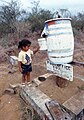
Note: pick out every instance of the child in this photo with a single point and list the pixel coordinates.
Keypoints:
(25, 59)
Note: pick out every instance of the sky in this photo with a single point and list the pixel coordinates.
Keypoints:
(74, 6)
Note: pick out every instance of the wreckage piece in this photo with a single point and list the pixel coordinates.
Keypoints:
(57, 111)
(10, 91)
(13, 60)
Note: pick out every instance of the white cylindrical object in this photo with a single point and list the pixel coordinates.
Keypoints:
(60, 40)
(42, 43)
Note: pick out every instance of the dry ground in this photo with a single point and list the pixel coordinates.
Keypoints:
(11, 105)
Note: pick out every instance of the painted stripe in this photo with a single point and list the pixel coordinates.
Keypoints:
(58, 22)
(60, 56)
(57, 19)
(59, 28)
(62, 21)
(51, 23)
(60, 33)
(46, 26)
(61, 51)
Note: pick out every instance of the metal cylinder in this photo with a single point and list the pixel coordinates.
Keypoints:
(60, 40)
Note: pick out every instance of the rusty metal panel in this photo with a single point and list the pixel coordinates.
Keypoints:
(57, 111)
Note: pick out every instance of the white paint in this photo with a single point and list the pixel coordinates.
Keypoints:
(42, 43)
(13, 60)
(61, 70)
(37, 82)
(60, 40)
(37, 99)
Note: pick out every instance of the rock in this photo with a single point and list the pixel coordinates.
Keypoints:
(10, 91)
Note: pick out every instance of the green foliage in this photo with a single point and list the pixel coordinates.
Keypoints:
(4, 41)
(36, 117)
(8, 17)
(78, 22)
(38, 16)
(13, 20)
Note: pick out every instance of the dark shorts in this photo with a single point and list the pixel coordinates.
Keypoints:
(26, 68)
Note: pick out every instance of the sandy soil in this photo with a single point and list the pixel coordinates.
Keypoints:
(11, 104)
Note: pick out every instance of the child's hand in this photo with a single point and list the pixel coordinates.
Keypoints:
(38, 48)
(35, 51)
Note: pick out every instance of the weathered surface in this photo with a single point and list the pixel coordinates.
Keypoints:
(13, 60)
(75, 103)
(57, 111)
(80, 77)
(37, 99)
(62, 70)
(37, 82)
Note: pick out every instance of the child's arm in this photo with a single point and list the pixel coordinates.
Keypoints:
(35, 51)
(19, 66)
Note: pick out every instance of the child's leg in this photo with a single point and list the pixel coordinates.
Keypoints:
(28, 76)
(23, 78)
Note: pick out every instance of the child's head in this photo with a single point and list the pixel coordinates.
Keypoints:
(24, 44)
